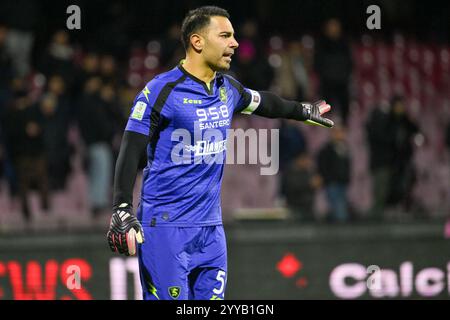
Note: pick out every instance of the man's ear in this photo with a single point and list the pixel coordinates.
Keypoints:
(197, 42)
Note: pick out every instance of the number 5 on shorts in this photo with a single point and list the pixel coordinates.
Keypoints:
(221, 278)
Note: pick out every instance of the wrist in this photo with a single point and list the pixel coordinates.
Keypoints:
(122, 206)
(301, 112)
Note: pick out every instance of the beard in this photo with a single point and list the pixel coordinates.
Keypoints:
(220, 65)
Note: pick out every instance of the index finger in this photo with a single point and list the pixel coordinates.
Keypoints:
(324, 108)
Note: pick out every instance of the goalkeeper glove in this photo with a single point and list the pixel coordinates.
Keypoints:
(313, 113)
(124, 231)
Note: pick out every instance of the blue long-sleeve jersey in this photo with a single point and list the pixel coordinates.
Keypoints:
(186, 122)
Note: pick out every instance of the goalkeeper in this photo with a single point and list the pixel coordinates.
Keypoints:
(178, 225)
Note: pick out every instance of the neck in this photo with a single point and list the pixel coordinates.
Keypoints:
(199, 69)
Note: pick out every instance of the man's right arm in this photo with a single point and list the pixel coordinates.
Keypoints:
(131, 148)
(124, 228)
(136, 136)
(145, 117)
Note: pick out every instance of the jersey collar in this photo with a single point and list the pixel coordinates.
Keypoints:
(209, 90)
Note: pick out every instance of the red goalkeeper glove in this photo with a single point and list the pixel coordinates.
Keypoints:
(313, 113)
(124, 231)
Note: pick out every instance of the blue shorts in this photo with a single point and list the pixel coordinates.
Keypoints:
(183, 263)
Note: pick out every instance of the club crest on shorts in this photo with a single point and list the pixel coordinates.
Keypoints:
(174, 292)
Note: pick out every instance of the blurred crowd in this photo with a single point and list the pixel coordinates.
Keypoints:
(71, 88)
(39, 104)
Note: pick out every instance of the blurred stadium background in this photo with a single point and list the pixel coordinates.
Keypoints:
(375, 191)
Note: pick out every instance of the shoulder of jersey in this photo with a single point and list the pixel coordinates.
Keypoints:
(231, 80)
(155, 85)
(168, 76)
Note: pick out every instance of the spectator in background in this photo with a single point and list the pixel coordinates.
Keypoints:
(300, 184)
(22, 17)
(447, 139)
(292, 143)
(16, 89)
(117, 119)
(6, 164)
(6, 69)
(6, 76)
(403, 132)
(381, 157)
(334, 167)
(250, 34)
(333, 63)
(447, 224)
(58, 58)
(55, 109)
(292, 76)
(90, 67)
(252, 67)
(171, 48)
(2, 158)
(109, 99)
(94, 120)
(25, 135)
(108, 69)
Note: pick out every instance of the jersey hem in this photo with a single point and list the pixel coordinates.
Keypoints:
(181, 224)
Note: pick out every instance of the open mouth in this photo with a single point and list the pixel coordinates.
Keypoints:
(228, 56)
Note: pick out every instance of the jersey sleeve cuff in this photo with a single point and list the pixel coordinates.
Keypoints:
(137, 126)
(254, 102)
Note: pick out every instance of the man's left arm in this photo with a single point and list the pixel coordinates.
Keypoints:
(272, 106)
(269, 105)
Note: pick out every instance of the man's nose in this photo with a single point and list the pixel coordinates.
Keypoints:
(234, 44)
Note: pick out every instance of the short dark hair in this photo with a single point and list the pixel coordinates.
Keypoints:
(197, 19)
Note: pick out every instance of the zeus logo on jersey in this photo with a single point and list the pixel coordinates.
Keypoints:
(191, 101)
